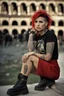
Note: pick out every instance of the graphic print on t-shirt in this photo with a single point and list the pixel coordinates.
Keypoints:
(40, 46)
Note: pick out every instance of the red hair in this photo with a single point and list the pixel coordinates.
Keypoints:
(44, 14)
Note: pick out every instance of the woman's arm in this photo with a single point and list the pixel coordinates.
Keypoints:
(30, 43)
(49, 52)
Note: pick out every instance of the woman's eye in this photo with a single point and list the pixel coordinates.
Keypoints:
(42, 21)
(35, 21)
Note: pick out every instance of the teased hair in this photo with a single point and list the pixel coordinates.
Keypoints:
(44, 14)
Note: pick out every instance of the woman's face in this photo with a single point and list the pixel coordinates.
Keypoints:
(40, 24)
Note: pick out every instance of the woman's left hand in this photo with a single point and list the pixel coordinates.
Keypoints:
(26, 56)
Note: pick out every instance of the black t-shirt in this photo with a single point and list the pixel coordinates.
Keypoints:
(41, 41)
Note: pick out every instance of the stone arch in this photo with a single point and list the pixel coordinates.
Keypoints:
(23, 23)
(5, 22)
(4, 8)
(23, 8)
(60, 8)
(32, 7)
(14, 22)
(42, 6)
(14, 9)
(60, 33)
(60, 23)
(14, 31)
(22, 31)
(51, 8)
(30, 23)
(53, 23)
(5, 31)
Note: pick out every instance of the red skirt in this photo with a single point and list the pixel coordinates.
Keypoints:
(49, 69)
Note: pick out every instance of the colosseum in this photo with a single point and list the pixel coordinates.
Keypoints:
(15, 15)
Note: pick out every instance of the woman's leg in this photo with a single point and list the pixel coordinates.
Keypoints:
(28, 66)
(20, 87)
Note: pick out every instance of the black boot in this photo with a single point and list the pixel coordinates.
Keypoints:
(44, 82)
(20, 86)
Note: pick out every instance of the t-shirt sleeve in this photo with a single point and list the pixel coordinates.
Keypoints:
(50, 37)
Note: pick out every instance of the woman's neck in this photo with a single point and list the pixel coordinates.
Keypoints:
(42, 32)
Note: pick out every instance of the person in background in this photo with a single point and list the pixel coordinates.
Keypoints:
(42, 57)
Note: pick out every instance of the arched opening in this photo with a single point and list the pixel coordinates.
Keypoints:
(32, 8)
(53, 23)
(42, 6)
(4, 8)
(14, 32)
(22, 31)
(60, 37)
(23, 9)
(30, 23)
(14, 23)
(5, 23)
(60, 23)
(51, 8)
(60, 9)
(5, 31)
(23, 23)
(60, 33)
(14, 9)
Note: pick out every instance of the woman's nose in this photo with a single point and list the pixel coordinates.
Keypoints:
(38, 24)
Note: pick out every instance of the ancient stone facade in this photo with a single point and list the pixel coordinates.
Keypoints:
(15, 15)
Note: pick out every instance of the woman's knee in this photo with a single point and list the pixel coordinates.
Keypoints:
(33, 58)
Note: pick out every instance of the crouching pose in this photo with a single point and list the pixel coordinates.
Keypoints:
(42, 56)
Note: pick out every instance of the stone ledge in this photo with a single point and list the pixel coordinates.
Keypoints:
(57, 90)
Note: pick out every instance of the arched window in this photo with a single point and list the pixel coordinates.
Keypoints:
(23, 8)
(23, 23)
(42, 6)
(14, 32)
(32, 8)
(5, 23)
(5, 31)
(22, 31)
(4, 8)
(31, 23)
(14, 9)
(60, 8)
(14, 23)
(53, 23)
(51, 8)
(60, 33)
(60, 23)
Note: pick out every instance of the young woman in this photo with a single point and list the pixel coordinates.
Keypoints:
(41, 58)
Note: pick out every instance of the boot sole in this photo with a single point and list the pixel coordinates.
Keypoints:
(22, 92)
(43, 88)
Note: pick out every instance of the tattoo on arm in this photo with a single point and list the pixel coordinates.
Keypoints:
(50, 47)
(25, 69)
(30, 42)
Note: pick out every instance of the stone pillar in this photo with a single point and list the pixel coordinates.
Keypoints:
(47, 7)
(28, 10)
(37, 7)
(19, 11)
(56, 9)
(0, 8)
(9, 9)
